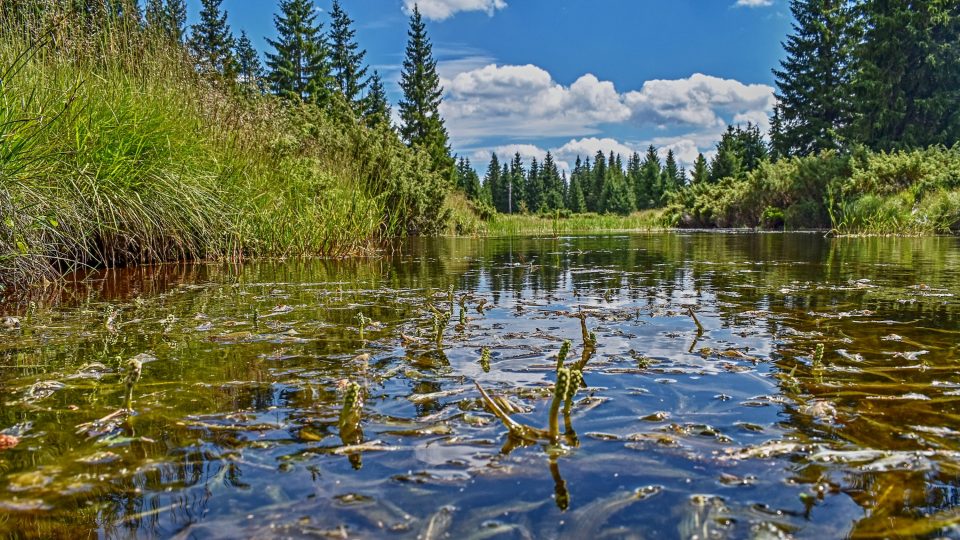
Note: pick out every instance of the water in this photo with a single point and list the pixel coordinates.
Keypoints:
(735, 432)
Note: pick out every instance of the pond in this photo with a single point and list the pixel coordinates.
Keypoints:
(734, 386)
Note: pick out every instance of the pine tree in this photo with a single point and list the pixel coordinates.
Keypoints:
(211, 41)
(908, 74)
(249, 69)
(300, 65)
(347, 58)
(701, 171)
(376, 109)
(420, 122)
(814, 106)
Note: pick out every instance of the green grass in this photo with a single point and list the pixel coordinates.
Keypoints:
(530, 225)
(114, 151)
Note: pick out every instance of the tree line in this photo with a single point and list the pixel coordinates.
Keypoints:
(607, 183)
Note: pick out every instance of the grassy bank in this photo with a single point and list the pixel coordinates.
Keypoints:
(913, 192)
(115, 151)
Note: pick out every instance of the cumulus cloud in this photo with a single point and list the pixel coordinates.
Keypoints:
(525, 101)
(439, 10)
(753, 3)
(699, 100)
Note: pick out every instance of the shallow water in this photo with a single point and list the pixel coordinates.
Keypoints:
(732, 432)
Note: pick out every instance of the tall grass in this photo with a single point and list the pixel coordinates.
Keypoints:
(113, 150)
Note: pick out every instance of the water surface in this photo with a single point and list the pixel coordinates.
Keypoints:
(733, 432)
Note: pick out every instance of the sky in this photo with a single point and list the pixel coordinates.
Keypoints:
(574, 76)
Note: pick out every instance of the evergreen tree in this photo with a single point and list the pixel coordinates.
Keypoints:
(814, 106)
(599, 177)
(211, 41)
(518, 182)
(347, 58)
(617, 198)
(494, 184)
(701, 171)
(176, 19)
(908, 74)
(300, 65)
(155, 15)
(649, 190)
(468, 180)
(576, 202)
(553, 187)
(670, 178)
(728, 161)
(420, 122)
(376, 108)
(534, 191)
(249, 69)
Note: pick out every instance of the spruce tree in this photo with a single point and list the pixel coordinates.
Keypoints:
(249, 68)
(599, 178)
(814, 106)
(494, 184)
(534, 191)
(468, 181)
(701, 171)
(518, 182)
(211, 41)
(155, 15)
(649, 189)
(176, 19)
(376, 109)
(552, 184)
(300, 65)
(728, 161)
(349, 73)
(670, 178)
(420, 122)
(908, 74)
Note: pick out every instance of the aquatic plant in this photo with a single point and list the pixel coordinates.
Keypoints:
(696, 321)
(562, 355)
(440, 321)
(362, 322)
(134, 369)
(560, 391)
(485, 359)
(818, 355)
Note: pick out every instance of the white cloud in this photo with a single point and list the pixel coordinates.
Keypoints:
(439, 10)
(753, 3)
(699, 100)
(525, 101)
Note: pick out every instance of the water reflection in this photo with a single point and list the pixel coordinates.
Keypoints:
(245, 424)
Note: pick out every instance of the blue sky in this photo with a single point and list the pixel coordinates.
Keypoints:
(575, 76)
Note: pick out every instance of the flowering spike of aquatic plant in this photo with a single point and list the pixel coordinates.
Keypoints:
(134, 370)
(361, 324)
(463, 316)
(818, 355)
(576, 381)
(352, 406)
(562, 355)
(450, 296)
(560, 391)
(485, 359)
(440, 321)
